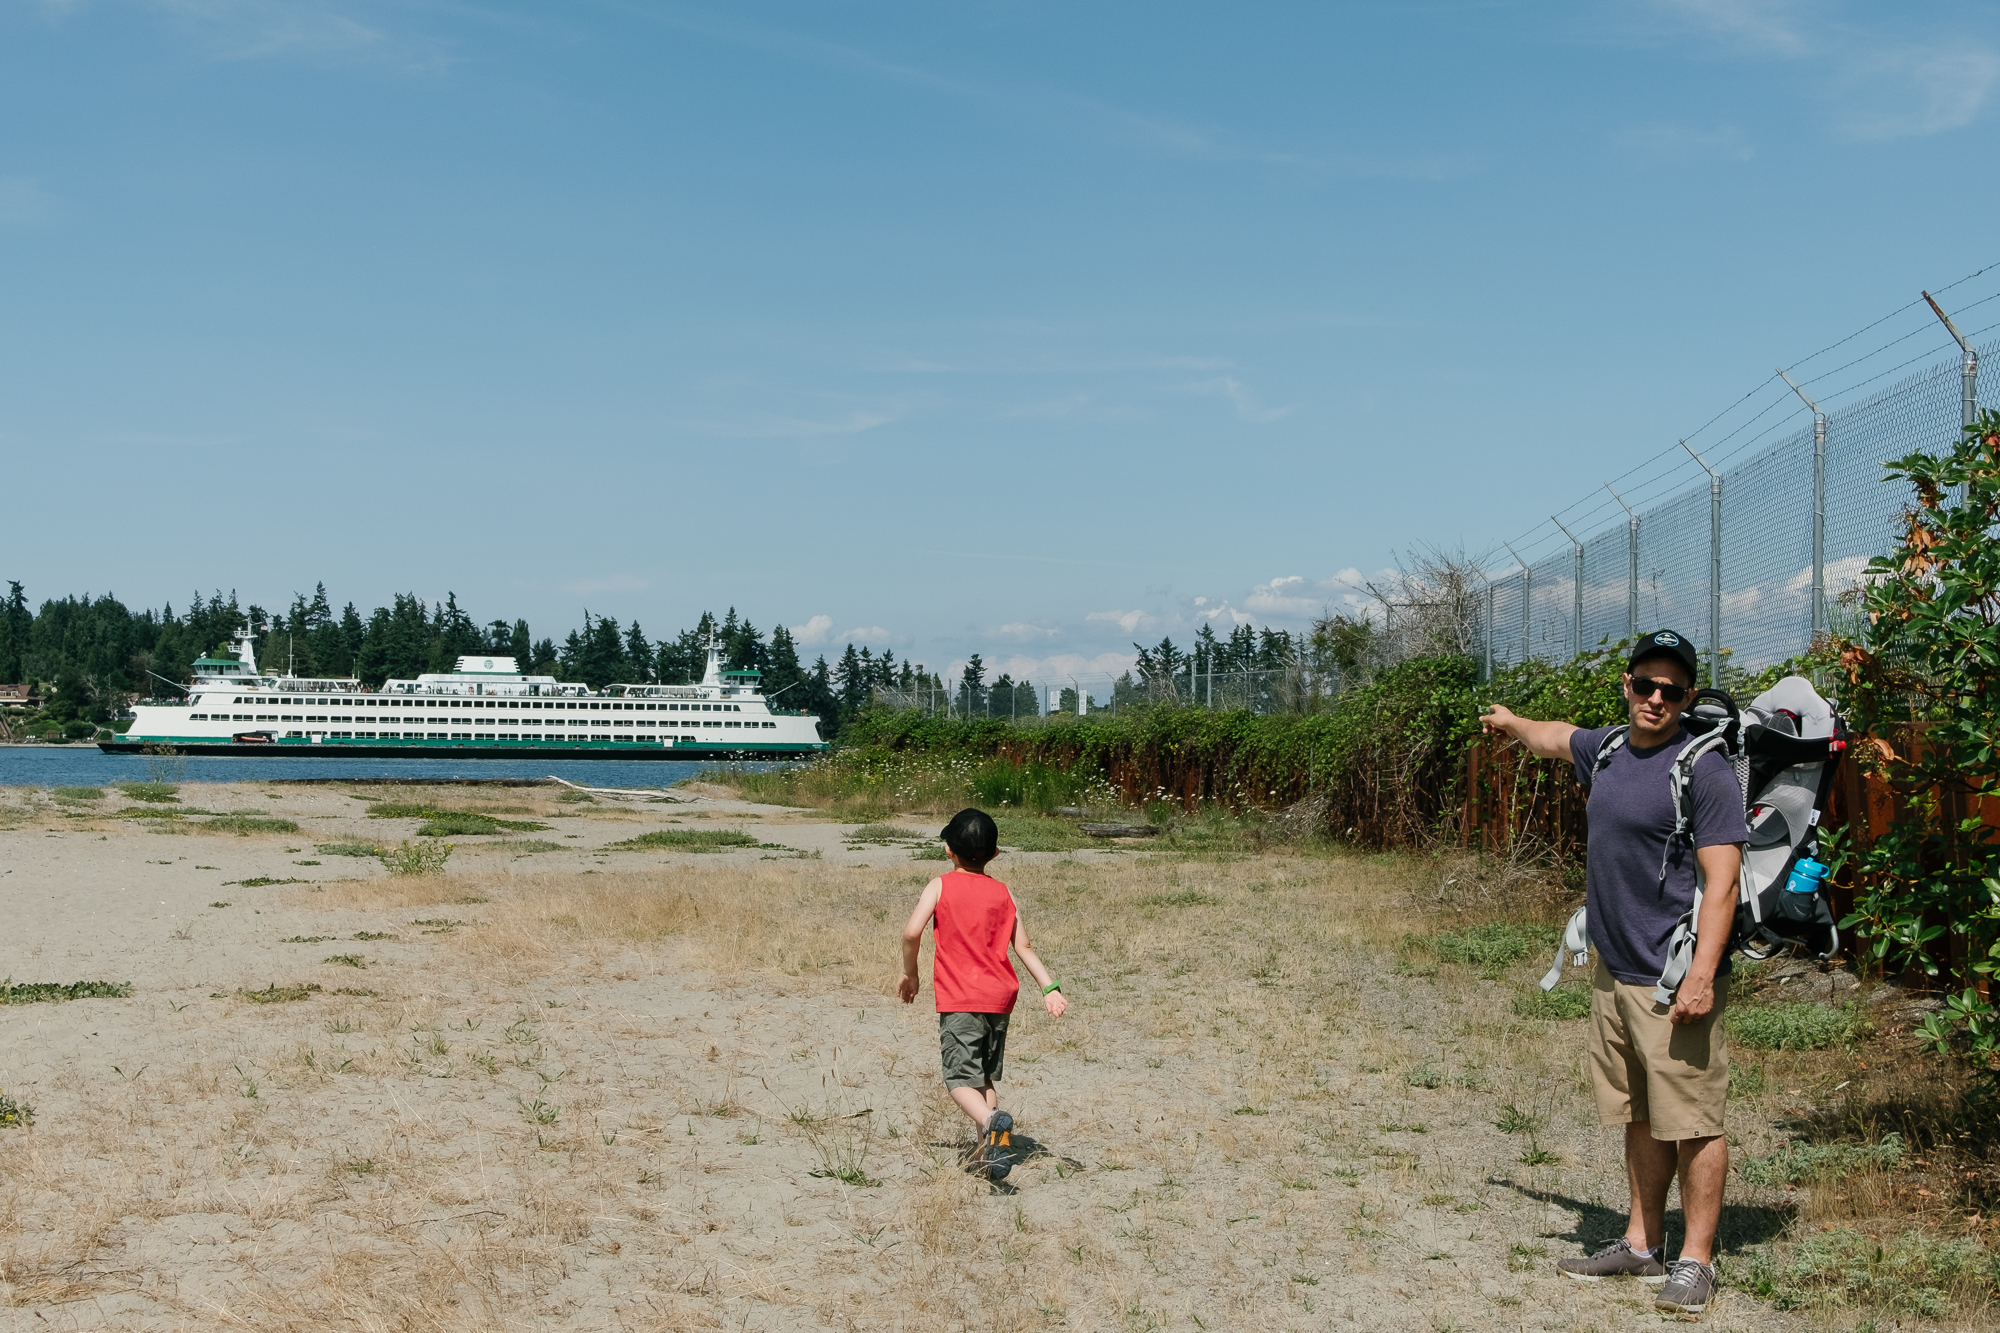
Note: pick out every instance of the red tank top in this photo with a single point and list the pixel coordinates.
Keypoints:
(973, 925)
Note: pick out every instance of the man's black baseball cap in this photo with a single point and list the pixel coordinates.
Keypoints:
(1666, 643)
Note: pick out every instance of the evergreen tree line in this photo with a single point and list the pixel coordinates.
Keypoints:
(98, 654)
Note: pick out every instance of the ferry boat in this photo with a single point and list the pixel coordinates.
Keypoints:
(484, 708)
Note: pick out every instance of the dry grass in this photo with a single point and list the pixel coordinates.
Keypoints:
(680, 1095)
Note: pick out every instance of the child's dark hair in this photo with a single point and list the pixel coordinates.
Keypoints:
(974, 836)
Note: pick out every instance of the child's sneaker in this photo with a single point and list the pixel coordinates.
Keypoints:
(999, 1145)
(1618, 1259)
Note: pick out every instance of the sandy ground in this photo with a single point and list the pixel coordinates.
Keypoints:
(590, 1088)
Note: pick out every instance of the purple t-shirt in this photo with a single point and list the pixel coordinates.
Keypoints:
(1632, 912)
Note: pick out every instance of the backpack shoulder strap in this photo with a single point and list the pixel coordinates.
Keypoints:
(1612, 742)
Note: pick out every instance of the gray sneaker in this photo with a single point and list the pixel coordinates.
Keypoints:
(1618, 1259)
(1690, 1287)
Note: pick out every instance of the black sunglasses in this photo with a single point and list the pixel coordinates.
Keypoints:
(1643, 687)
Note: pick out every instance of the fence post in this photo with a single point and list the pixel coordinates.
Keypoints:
(1714, 568)
(1631, 564)
(1527, 601)
(1968, 379)
(1819, 509)
(1576, 647)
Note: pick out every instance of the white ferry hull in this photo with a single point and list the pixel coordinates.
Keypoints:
(484, 709)
(511, 748)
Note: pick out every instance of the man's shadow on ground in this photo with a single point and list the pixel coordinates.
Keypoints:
(1597, 1226)
(1025, 1149)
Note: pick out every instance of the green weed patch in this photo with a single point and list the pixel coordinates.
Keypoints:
(78, 793)
(415, 858)
(14, 1114)
(1796, 1163)
(49, 992)
(691, 840)
(530, 846)
(346, 960)
(346, 848)
(442, 823)
(1792, 1027)
(1561, 1004)
(1909, 1274)
(261, 882)
(248, 824)
(1491, 948)
(160, 793)
(276, 994)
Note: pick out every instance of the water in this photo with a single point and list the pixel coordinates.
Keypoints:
(66, 766)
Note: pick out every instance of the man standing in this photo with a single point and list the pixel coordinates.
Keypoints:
(1661, 1071)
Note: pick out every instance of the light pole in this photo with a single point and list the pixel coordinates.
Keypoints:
(1714, 568)
(1631, 563)
(1576, 649)
(1527, 598)
(1819, 509)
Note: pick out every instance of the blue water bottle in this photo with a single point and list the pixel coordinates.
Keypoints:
(1801, 890)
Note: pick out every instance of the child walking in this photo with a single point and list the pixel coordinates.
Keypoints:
(976, 921)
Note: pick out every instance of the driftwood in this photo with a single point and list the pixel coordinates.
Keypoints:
(1119, 830)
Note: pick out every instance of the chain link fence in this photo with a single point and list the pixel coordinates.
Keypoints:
(1764, 592)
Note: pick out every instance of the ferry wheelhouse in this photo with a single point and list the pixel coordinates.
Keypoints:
(485, 707)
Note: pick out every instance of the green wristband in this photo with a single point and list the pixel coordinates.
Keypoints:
(1053, 985)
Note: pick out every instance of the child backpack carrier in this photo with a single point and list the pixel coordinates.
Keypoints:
(1784, 748)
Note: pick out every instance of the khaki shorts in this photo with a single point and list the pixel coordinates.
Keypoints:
(1644, 1067)
(974, 1048)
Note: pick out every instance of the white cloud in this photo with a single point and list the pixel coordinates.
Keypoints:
(24, 203)
(767, 426)
(1841, 575)
(815, 630)
(1294, 597)
(1129, 621)
(1245, 400)
(1883, 85)
(1917, 91)
(1023, 632)
(819, 631)
(1089, 670)
(1765, 26)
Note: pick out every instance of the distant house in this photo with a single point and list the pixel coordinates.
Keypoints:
(19, 696)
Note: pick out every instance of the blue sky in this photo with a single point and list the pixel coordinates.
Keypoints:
(1027, 329)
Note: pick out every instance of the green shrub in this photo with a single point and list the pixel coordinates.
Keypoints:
(1562, 1003)
(1791, 1027)
(415, 858)
(690, 840)
(79, 730)
(48, 992)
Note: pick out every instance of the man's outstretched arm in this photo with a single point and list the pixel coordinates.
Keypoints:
(1548, 740)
